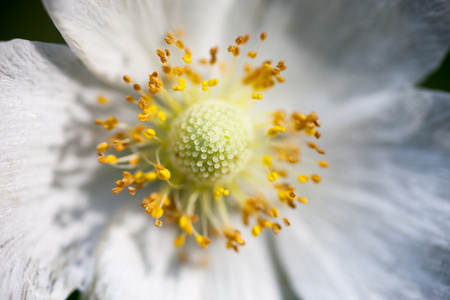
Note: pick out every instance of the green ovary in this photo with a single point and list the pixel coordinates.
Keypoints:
(210, 142)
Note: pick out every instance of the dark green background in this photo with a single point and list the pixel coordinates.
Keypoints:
(26, 19)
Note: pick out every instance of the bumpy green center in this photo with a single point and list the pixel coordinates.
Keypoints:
(210, 142)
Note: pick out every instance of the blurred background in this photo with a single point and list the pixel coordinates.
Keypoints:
(27, 19)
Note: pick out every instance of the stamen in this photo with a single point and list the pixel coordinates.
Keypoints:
(102, 100)
(263, 36)
(207, 155)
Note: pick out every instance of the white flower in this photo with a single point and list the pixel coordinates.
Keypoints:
(376, 229)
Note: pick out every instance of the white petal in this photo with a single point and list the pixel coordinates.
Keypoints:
(336, 50)
(114, 38)
(136, 260)
(377, 227)
(50, 211)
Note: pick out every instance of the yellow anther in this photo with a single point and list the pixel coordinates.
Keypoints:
(150, 133)
(143, 117)
(204, 85)
(135, 161)
(166, 69)
(187, 59)
(256, 230)
(267, 160)
(203, 241)
(238, 239)
(263, 36)
(286, 222)
(111, 159)
(251, 54)
(160, 53)
(310, 131)
(132, 190)
(158, 223)
(302, 200)
(302, 178)
(127, 79)
(150, 176)
(276, 228)
(266, 223)
(117, 190)
(274, 212)
(101, 158)
(279, 128)
(168, 41)
(281, 65)
(143, 104)
(181, 85)
(272, 132)
(110, 123)
(102, 100)
(280, 79)
(163, 174)
(219, 192)
(177, 71)
(137, 138)
(185, 225)
(179, 241)
(161, 116)
(323, 163)
(316, 178)
(213, 82)
(136, 87)
(151, 109)
(102, 147)
(273, 176)
(171, 35)
(118, 145)
(129, 99)
(286, 196)
(180, 44)
(157, 212)
(257, 96)
(139, 177)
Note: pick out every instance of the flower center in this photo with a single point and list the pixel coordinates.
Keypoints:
(210, 142)
(196, 137)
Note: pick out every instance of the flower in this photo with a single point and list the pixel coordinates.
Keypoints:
(377, 229)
